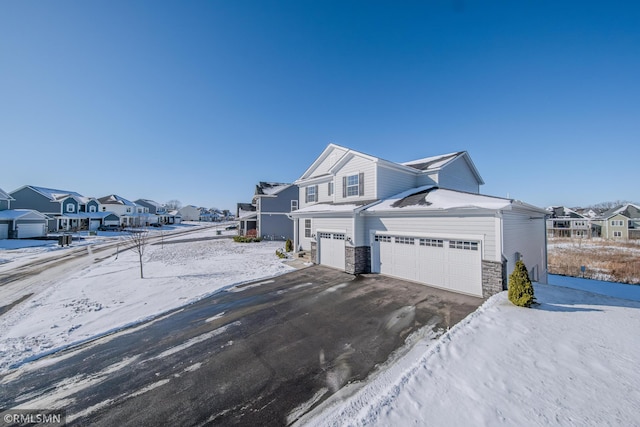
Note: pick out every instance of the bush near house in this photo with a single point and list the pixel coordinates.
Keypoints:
(288, 245)
(250, 237)
(520, 287)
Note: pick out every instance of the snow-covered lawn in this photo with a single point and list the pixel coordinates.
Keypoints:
(110, 295)
(571, 360)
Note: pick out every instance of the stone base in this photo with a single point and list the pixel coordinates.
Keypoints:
(358, 259)
(494, 278)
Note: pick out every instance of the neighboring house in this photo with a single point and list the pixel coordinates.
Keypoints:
(273, 202)
(20, 223)
(157, 209)
(620, 223)
(174, 217)
(130, 214)
(423, 221)
(247, 218)
(565, 222)
(189, 213)
(62, 207)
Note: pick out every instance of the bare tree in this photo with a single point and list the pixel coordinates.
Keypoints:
(173, 205)
(138, 240)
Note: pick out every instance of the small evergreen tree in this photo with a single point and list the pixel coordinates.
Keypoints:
(288, 245)
(520, 287)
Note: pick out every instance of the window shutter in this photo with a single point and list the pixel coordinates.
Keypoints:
(344, 186)
(315, 197)
(361, 183)
(306, 194)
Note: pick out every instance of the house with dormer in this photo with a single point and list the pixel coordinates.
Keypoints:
(423, 220)
(566, 222)
(620, 223)
(20, 223)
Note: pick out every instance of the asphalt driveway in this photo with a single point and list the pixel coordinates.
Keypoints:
(249, 355)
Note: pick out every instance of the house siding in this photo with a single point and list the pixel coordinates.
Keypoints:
(324, 166)
(483, 225)
(457, 176)
(607, 228)
(26, 198)
(4, 205)
(391, 182)
(275, 226)
(528, 238)
(69, 202)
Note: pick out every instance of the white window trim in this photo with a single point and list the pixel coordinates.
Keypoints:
(350, 187)
(294, 205)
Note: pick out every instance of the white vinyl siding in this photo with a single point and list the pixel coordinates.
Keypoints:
(391, 182)
(526, 237)
(324, 166)
(457, 176)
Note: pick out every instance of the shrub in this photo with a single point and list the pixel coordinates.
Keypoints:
(520, 287)
(252, 233)
(288, 245)
(281, 253)
(246, 239)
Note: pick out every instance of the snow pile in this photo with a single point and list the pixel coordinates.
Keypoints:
(569, 361)
(110, 295)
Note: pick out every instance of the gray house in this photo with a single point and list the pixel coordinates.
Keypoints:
(61, 206)
(20, 223)
(247, 217)
(273, 202)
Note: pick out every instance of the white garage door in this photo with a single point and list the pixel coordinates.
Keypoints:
(26, 231)
(94, 224)
(445, 263)
(4, 231)
(332, 249)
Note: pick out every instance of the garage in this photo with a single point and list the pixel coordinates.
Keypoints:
(454, 264)
(29, 230)
(4, 231)
(332, 249)
(94, 224)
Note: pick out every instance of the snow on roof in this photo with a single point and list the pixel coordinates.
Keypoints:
(54, 194)
(114, 199)
(629, 210)
(333, 207)
(151, 202)
(434, 162)
(270, 188)
(14, 214)
(435, 198)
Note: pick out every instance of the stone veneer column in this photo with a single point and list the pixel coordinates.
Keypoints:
(494, 278)
(314, 251)
(358, 259)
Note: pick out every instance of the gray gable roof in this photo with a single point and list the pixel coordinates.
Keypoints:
(4, 195)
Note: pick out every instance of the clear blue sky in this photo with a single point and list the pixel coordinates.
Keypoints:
(200, 100)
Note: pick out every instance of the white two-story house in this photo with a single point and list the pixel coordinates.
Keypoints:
(423, 220)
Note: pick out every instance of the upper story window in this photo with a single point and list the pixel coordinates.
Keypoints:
(353, 185)
(311, 193)
(128, 209)
(92, 208)
(294, 205)
(617, 223)
(71, 207)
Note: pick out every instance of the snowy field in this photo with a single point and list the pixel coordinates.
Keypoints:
(570, 360)
(110, 295)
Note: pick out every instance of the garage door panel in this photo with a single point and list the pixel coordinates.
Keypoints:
(26, 231)
(332, 249)
(445, 263)
(4, 231)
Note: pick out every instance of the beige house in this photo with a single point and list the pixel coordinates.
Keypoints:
(620, 223)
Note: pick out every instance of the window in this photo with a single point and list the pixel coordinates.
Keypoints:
(383, 239)
(405, 240)
(353, 186)
(311, 193)
(617, 223)
(436, 243)
(92, 208)
(330, 188)
(294, 205)
(339, 236)
(307, 228)
(324, 235)
(617, 234)
(128, 209)
(70, 207)
(467, 246)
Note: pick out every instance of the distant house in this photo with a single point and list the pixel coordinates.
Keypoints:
(620, 223)
(20, 223)
(422, 220)
(190, 213)
(130, 214)
(565, 222)
(273, 202)
(247, 217)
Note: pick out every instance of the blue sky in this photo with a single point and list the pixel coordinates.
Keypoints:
(200, 100)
